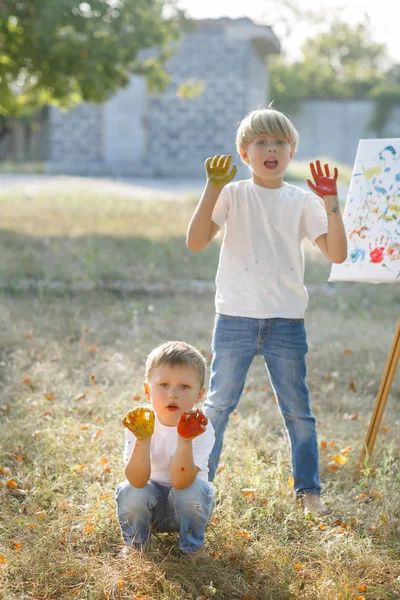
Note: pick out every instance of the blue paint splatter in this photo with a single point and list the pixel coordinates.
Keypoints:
(357, 254)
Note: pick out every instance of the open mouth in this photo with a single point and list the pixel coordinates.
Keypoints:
(172, 407)
(271, 163)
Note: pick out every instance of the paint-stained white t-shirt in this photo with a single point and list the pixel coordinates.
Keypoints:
(261, 265)
(162, 448)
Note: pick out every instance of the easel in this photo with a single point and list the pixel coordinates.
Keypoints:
(380, 403)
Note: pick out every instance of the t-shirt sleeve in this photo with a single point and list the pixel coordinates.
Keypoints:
(202, 447)
(129, 444)
(314, 219)
(221, 208)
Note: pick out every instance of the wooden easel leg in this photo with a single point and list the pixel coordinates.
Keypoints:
(383, 393)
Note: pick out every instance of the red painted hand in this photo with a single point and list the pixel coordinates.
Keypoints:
(325, 185)
(191, 424)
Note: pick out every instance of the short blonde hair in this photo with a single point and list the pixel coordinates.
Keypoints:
(175, 354)
(266, 121)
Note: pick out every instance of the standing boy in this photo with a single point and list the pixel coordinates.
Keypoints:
(260, 296)
(166, 455)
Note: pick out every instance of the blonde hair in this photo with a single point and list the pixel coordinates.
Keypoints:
(266, 121)
(174, 354)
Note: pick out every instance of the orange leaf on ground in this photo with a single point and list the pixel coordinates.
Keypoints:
(323, 445)
(11, 483)
(92, 349)
(249, 491)
(347, 351)
(26, 381)
(3, 561)
(298, 567)
(137, 397)
(78, 468)
(82, 427)
(97, 435)
(332, 467)
(332, 443)
(49, 396)
(352, 386)
(346, 450)
(17, 546)
(291, 482)
(385, 429)
(340, 460)
(362, 588)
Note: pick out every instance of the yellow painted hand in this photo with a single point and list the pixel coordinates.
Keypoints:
(140, 421)
(219, 171)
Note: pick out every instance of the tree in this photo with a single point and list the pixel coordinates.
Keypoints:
(63, 52)
(343, 62)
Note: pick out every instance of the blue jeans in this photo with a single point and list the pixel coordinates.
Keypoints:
(282, 343)
(164, 509)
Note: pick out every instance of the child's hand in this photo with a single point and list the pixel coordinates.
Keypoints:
(192, 424)
(217, 169)
(325, 185)
(140, 421)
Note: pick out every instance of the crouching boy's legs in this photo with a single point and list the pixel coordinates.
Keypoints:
(138, 509)
(192, 507)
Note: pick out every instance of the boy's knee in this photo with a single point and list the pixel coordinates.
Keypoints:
(194, 497)
(127, 496)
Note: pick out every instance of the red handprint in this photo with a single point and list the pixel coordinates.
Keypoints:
(192, 423)
(325, 185)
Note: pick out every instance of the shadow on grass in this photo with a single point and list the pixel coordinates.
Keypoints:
(102, 258)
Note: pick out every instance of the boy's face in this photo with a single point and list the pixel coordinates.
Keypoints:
(268, 158)
(173, 391)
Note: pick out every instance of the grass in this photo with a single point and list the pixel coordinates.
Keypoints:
(71, 365)
(27, 167)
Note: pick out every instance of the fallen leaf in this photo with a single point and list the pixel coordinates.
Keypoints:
(92, 349)
(97, 435)
(352, 386)
(78, 468)
(298, 567)
(340, 459)
(347, 351)
(385, 429)
(332, 467)
(291, 482)
(49, 396)
(11, 483)
(249, 491)
(3, 561)
(362, 588)
(17, 546)
(323, 445)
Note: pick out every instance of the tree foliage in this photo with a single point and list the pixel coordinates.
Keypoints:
(343, 62)
(63, 52)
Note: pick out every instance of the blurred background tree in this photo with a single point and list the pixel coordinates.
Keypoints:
(342, 62)
(63, 52)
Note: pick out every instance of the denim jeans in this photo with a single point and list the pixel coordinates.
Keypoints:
(282, 343)
(154, 506)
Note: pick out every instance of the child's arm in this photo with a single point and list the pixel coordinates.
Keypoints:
(333, 243)
(140, 422)
(202, 229)
(183, 471)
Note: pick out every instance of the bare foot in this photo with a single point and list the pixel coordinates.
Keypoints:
(127, 551)
(196, 555)
(313, 505)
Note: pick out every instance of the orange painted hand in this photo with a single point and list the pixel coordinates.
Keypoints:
(219, 171)
(325, 185)
(140, 421)
(192, 424)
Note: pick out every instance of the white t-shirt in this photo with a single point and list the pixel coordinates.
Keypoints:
(261, 265)
(162, 448)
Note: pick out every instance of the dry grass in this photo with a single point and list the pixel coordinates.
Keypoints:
(70, 367)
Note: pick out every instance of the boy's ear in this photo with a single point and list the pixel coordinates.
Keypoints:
(201, 394)
(243, 155)
(146, 390)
